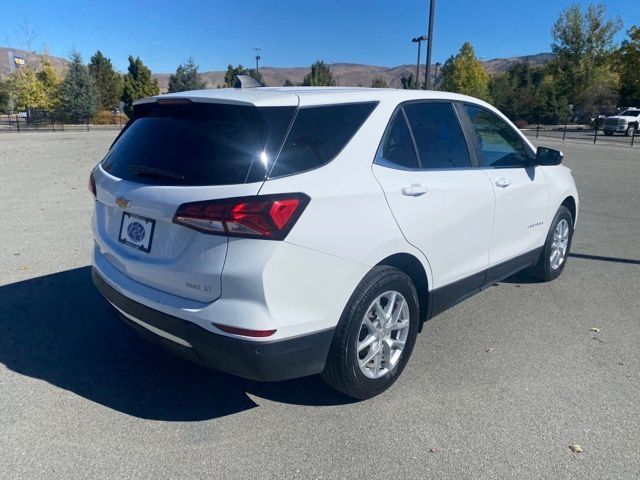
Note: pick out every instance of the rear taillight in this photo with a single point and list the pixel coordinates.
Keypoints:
(92, 184)
(263, 216)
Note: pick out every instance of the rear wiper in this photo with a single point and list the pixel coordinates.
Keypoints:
(146, 171)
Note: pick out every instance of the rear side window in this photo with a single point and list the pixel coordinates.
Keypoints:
(397, 148)
(199, 144)
(438, 135)
(318, 134)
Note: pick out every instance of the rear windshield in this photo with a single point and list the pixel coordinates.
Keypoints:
(216, 144)
(199, 144)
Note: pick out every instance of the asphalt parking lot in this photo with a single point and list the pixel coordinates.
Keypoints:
(498, 387)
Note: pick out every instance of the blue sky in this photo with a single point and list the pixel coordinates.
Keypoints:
(217, 33)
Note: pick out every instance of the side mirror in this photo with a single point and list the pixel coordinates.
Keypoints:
(548, 156)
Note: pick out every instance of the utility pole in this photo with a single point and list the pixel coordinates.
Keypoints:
(435, 76)
(432, 12)
(258, 57)
(419, 41)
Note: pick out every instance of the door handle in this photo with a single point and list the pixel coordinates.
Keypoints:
(503, 182)
(414, 190)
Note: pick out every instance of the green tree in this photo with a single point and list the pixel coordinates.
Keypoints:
(583, 44)
(108, 81)
(408, 83)
(50, 83)
(137, 84)
(320, 76)
(528, 93)
(232, 73)
(27, 89)
(465, 74)
(186, 78)
(6, 97)
(379, 82)
(628, 62)
(288, 83)
(79, 98)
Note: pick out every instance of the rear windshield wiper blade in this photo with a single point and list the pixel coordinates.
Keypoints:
(146, 171)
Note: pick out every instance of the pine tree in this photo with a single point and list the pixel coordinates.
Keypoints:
(186, 78)
(628, 61)
(6, 97)
(288, 83)
(320, 76)
(379, 82)
(137, 84)
(232, 73)
(465, 74)
(108, 81)
(408, 83)
(79, 99)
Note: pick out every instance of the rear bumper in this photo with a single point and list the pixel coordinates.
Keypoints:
(264, 360)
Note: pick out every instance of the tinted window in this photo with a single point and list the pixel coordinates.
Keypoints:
(500, 144)
(397, 148)
(318, 134)
(199, 144)
(438, 135)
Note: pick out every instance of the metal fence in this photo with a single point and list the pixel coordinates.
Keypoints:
(586, 133)
(16, 123)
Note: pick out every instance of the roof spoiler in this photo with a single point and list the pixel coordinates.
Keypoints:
(247, 81)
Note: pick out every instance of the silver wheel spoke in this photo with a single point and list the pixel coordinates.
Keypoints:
(369, 356)
(384, 331)
(366, 342)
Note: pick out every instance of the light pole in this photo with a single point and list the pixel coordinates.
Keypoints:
(432, 12)
(419, 41)
(258, 57)
(435, 76)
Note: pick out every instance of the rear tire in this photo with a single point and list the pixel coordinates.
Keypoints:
(556, 248)
(368, 354)
(631, 130)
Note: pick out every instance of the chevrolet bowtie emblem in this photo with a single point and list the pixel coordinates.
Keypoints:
(122, 202)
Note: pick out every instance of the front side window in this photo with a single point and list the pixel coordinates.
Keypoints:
(438, 135)
(397, 148)
(317, 136)
(501, 146)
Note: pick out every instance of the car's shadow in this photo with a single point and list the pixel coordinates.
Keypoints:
(59, 329)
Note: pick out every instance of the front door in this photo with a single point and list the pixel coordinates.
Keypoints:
(521, 189)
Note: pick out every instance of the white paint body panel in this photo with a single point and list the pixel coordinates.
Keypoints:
(302, 284)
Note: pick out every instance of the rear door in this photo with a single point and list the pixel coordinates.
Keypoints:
(443, 205)
(175, 154)
(521, 190)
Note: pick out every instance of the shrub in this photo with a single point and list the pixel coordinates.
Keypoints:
(106, 117)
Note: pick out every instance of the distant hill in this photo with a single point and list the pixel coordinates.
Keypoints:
(348, 74)
(32, 59)
(353, 74)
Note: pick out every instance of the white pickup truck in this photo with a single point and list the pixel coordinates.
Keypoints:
(625, 122)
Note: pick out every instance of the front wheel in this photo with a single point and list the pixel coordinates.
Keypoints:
(375, 335)
(556, 248)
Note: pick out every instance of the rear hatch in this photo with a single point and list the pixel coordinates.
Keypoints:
(171, 154)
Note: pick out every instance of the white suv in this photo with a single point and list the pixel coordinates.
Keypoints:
(274, 233)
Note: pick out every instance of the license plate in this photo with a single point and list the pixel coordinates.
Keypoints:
(136, 231)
